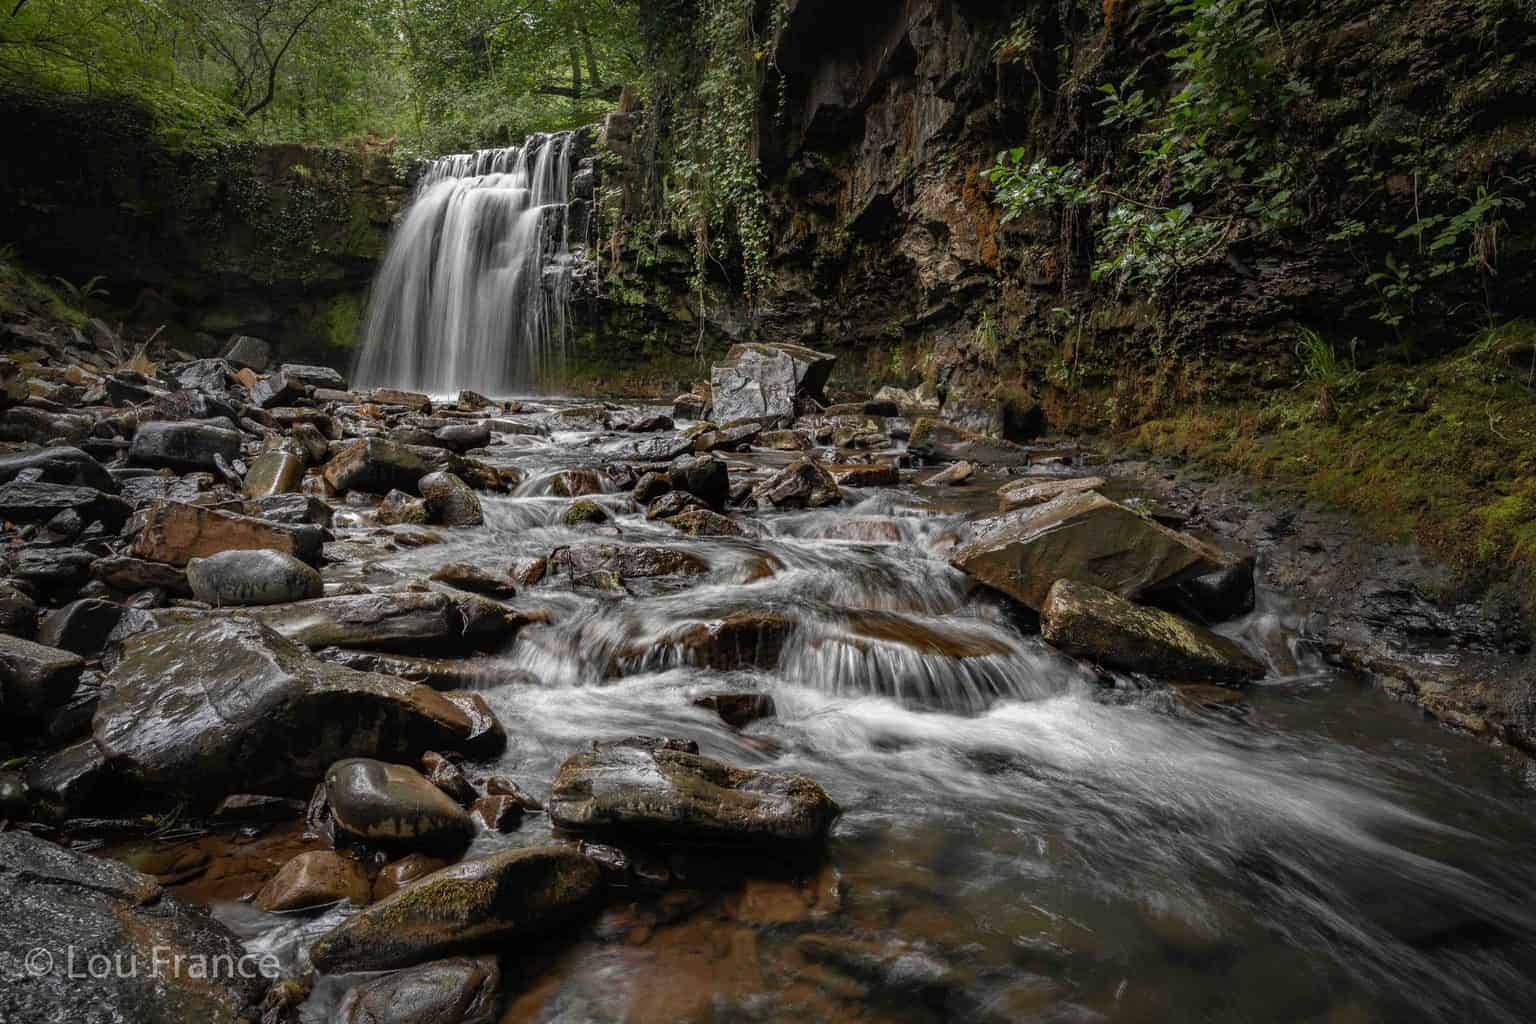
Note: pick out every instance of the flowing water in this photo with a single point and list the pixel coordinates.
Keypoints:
(472, 293)
(1022, 837)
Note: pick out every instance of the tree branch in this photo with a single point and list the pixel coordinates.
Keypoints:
(272, 65)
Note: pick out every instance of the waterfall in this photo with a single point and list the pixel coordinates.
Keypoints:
(473, 290)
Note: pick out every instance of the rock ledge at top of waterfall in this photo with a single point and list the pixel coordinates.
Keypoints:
(759, 381)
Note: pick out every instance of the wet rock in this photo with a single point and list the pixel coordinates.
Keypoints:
(657, 793)
(276, 390)
(650, 487)
(491, 902)
(702, 522)
(759, 381)
(496, 813)
(395, 806)
(35, 679)
(499, 786)
(735, 437)
(233, 578)
(934, 440)
(314, 376)
(270, 720)
(56, 573)
(462, 437)
(784, 441)
(1027, 493)
(584, 513)
(448, 777)
(739, 641)
(453, 991)
(175, 532)
(13, 796)
(1093, 623)
(38, 502)
(249, 353)
(574, 483)
(629, 561)
(250, 808)
(18, 612)
(896, 967)
(673, 503)
(61, 465)
(63, 784)
(60, 900)
(1217, 596)
(465, 576)
(738, 710)
(919, 401)
(586, 417)
(413, 400)
(400, 509)
(644, 424)
(121, 572)
(35, 426)
(377, 466)
(801, 485)
(450, 502)
(184, 446)
(1083, 537)
(859, 474)
(397, 874)
(955, 475)
(293, 509)
(528, 571)
(273, 472)
(81, 627)
(487, 738)
(315, 879)
(703, 476)
(392, 620)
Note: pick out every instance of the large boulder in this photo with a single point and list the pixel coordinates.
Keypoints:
(1092, 623)
(450, 501)
(274, 472)
(224, 704)
(82, 910)
(935, 440)
(314, 376)
(703, 476)
(378, 466)
(648, 789)
(489, 903)
(395, 806)
(62, 465)
(763, 381)
(252, 578)
(35, 679)
(175, 533)
(1082, 536)
(459, 990)
(185, 446)
(804, 484)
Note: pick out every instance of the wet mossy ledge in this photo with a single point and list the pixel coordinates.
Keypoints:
(208, 240)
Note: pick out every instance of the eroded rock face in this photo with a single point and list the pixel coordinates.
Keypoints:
(394, 805)
(477, 904)
(270, 719)
(1083, 537)
(763, 381)
(252, 578)
(458, 990)
(60, 900)
(1093, 623)
(648, 790)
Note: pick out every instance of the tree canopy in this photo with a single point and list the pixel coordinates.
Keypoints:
(435, 74)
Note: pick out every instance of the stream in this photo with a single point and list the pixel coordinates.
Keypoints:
(1022, 837)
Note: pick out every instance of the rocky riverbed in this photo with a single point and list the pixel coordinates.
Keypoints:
(753, 706)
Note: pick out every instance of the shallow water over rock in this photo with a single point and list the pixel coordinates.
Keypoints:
(1022, 836)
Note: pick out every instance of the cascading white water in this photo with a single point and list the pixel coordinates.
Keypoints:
(473, 290)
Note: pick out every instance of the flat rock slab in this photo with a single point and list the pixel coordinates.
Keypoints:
(72, 903)
(1093, 623)
(651, 791)
(491, 902)
(1084, 537)
(176, 533)
(224, 704)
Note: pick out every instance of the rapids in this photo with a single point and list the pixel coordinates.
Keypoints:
(1023, 838)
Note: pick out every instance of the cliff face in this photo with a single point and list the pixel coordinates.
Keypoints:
(276, 241)
(887, 245)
